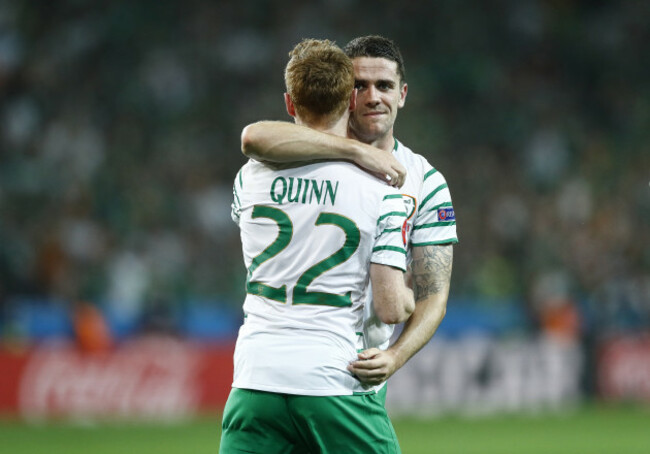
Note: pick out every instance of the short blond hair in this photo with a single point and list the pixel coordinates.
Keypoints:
(319, 79)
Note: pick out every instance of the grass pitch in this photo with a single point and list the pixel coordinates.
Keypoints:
(593, 430)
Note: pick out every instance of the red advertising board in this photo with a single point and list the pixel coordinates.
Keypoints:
(624, 368)
(148, 378)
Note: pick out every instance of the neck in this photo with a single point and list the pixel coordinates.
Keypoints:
(337, 127)
(385, 142)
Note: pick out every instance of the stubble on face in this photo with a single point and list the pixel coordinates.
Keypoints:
(379, 97)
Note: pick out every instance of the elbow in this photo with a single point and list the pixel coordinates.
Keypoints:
(407, 309)
(392, 314)
(395, 317)
(250, 141)
(443, 312)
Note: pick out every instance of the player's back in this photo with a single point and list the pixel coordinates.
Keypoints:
(308, 236)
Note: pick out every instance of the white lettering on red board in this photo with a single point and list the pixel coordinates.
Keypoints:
(148, 378)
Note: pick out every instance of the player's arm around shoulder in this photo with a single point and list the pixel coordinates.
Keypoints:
(393, 300)
(284, 142)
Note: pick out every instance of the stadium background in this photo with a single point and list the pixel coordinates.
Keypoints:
(119, 141)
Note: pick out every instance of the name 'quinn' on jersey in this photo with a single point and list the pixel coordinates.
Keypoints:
(299, 190)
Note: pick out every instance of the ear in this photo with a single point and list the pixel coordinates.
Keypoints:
(402, 96)
(353, 100)
(291, 110)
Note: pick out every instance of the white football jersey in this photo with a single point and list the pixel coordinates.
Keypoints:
(309, 234)
(431, 221)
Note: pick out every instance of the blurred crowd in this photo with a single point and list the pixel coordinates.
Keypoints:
(119, 142)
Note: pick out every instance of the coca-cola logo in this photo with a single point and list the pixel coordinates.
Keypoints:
(624, 369)
(149, 378)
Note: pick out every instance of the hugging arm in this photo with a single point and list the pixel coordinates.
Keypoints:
(284, 142)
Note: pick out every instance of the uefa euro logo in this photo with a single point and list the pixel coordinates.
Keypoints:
(446, 214)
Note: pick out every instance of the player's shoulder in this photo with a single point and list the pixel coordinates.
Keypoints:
(358, 185)
(352, 173)
(251, 166)
(248, 172)
(417, 165)
(409, 157)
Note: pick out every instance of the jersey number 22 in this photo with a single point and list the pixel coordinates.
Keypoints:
(285, 232)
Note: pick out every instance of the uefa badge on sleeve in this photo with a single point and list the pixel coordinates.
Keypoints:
(446, 214)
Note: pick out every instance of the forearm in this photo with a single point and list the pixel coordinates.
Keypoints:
(375, 366)
(284, 142)
(431, 275)
(280, 141)
(419, 328)
(393, 301)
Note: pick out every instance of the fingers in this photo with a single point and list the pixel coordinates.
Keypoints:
(366, 365)
(382, 164)
(396, 176)
(374, 366)
(368, 353)
(371, 368)
(394, 181)
(370, 375)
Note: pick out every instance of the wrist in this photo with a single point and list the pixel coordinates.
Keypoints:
(395, 352)
(354, 151)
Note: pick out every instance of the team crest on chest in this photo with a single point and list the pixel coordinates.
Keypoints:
(411, 204)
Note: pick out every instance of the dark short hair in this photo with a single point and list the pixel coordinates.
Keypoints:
(378, 47)
(319, 78)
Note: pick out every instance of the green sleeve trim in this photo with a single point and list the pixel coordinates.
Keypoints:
(429, 173)
(234, 193)
(436, 243)
(389, 248)
(392, 213)
(393, 196)
(396, 229)
(441, 205)
(433, 193)
(434, 224)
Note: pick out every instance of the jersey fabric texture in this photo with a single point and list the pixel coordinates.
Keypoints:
(431, 221)
(309, 234)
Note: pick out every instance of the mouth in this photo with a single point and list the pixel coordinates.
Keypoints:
(373, 114)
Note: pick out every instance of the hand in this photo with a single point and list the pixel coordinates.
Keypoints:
(382, 164)
(374, 366)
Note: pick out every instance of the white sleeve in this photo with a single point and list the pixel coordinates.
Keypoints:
(390, 247)
(435, 221)
(235, 207)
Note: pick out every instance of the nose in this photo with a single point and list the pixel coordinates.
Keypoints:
(372, 94)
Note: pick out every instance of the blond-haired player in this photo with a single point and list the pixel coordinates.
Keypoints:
(313, 238)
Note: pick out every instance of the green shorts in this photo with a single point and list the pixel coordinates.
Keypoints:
(269, 423)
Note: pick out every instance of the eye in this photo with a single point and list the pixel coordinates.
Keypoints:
(358, 85)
